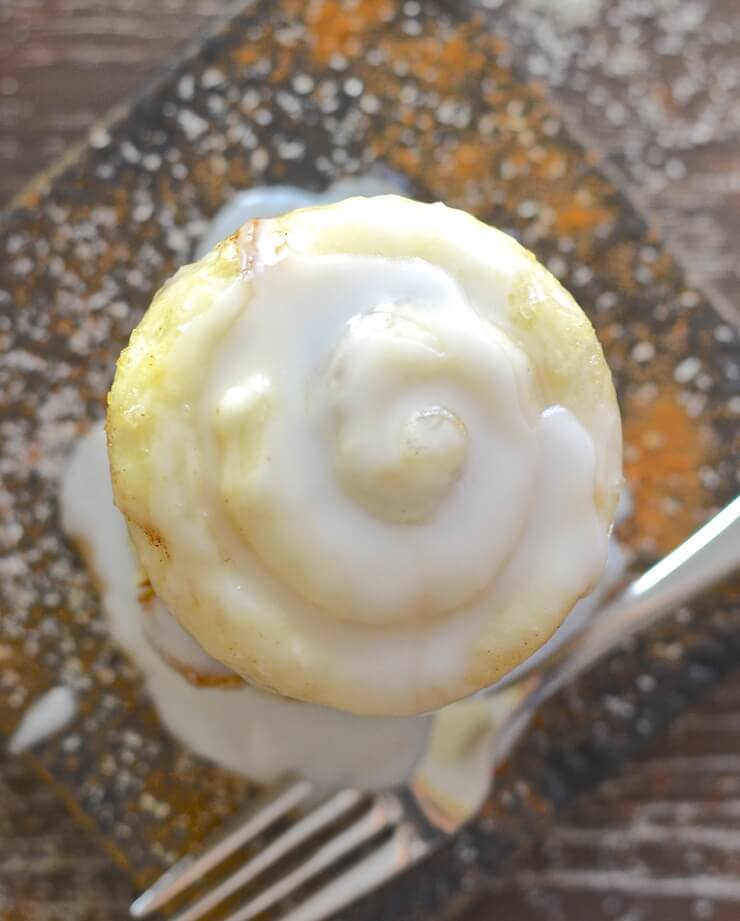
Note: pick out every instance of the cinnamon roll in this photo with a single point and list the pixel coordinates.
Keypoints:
(368, 453)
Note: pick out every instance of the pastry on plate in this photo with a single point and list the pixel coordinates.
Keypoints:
(368, 453)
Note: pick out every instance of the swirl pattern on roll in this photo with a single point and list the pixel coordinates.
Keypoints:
(369, 453)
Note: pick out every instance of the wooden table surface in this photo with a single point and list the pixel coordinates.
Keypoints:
(655, 85)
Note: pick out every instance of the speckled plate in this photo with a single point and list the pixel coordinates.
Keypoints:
(305, 93)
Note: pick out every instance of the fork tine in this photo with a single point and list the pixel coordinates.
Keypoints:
(385, 810)
(402, 850)
(279, 800)
(320, 816)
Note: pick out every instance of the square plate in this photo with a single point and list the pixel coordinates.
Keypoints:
(288, 92)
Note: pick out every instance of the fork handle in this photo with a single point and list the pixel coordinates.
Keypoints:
(710, 554)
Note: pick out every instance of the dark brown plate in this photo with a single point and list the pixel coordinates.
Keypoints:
(431, 94)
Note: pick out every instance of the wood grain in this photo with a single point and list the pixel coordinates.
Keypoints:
(50, 869)
(659, 843)
(63, 63)
(663, 840)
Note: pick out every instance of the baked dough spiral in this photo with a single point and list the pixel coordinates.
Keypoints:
(368, 453)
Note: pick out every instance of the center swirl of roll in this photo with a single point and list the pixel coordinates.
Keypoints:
(388, 442)
(395, 450)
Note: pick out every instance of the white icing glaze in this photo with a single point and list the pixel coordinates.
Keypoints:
(270, 201)
(48, 715)
(243, 729)
(89, 515)
(410, 394)
(418, 413)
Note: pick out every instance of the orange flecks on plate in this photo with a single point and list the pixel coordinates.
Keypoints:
(406, 158)
(448, 171)
(664, 450)
(552, 165)
(468, 161)
(576, 219)
(338, 29)
(247, 54)
(440, 64)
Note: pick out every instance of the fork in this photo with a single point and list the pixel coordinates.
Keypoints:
(350, 842)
